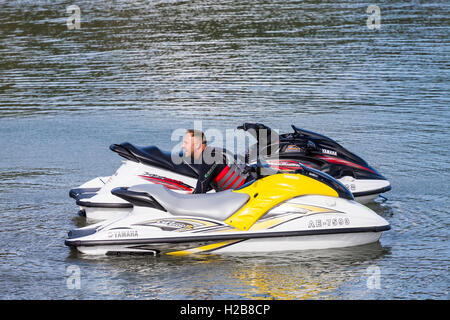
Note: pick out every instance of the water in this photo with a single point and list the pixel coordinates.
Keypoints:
(137, 70)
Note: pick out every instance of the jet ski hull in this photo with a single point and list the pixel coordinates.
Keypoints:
(365, 190)
(266, 244)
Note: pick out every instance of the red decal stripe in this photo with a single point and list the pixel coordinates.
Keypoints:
(345, 162)
(168, 183)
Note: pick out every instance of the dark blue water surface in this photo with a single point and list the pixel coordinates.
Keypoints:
(138, 70)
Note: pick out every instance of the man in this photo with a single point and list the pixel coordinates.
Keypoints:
(215, 169)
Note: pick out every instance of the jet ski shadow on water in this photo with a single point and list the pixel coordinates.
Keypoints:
(307, 209)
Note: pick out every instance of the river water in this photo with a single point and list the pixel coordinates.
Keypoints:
(138, 70)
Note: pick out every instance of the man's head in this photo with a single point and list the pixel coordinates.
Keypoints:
(194, 142)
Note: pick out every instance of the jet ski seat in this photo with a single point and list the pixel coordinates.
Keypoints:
(218, 205)
(153, 156)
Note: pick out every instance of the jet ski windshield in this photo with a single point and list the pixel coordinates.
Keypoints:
(318, 175)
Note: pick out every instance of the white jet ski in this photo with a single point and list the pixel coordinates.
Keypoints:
(142, 165)
(296, 211)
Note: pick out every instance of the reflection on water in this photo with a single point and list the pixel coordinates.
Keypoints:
(312, 274)
(306, 275)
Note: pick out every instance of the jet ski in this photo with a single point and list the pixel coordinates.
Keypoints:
(141, 165)
(287, 151)
(307, 209)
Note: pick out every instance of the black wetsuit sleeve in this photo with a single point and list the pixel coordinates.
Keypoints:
(206, 175)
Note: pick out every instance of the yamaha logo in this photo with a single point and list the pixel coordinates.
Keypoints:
(122, 234)
(330, 152)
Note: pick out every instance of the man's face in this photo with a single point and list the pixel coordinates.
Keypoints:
(190, 144)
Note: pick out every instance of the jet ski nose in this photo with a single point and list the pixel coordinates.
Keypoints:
(81, 232)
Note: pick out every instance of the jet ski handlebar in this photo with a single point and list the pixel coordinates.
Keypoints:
(255, 126)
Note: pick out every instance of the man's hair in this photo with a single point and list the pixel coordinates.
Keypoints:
(197, 134)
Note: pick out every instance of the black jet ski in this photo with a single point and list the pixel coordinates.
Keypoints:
(286, 152)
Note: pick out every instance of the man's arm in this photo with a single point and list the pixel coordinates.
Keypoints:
(206, 174)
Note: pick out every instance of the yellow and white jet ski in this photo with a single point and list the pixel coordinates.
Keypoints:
(296, 211)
